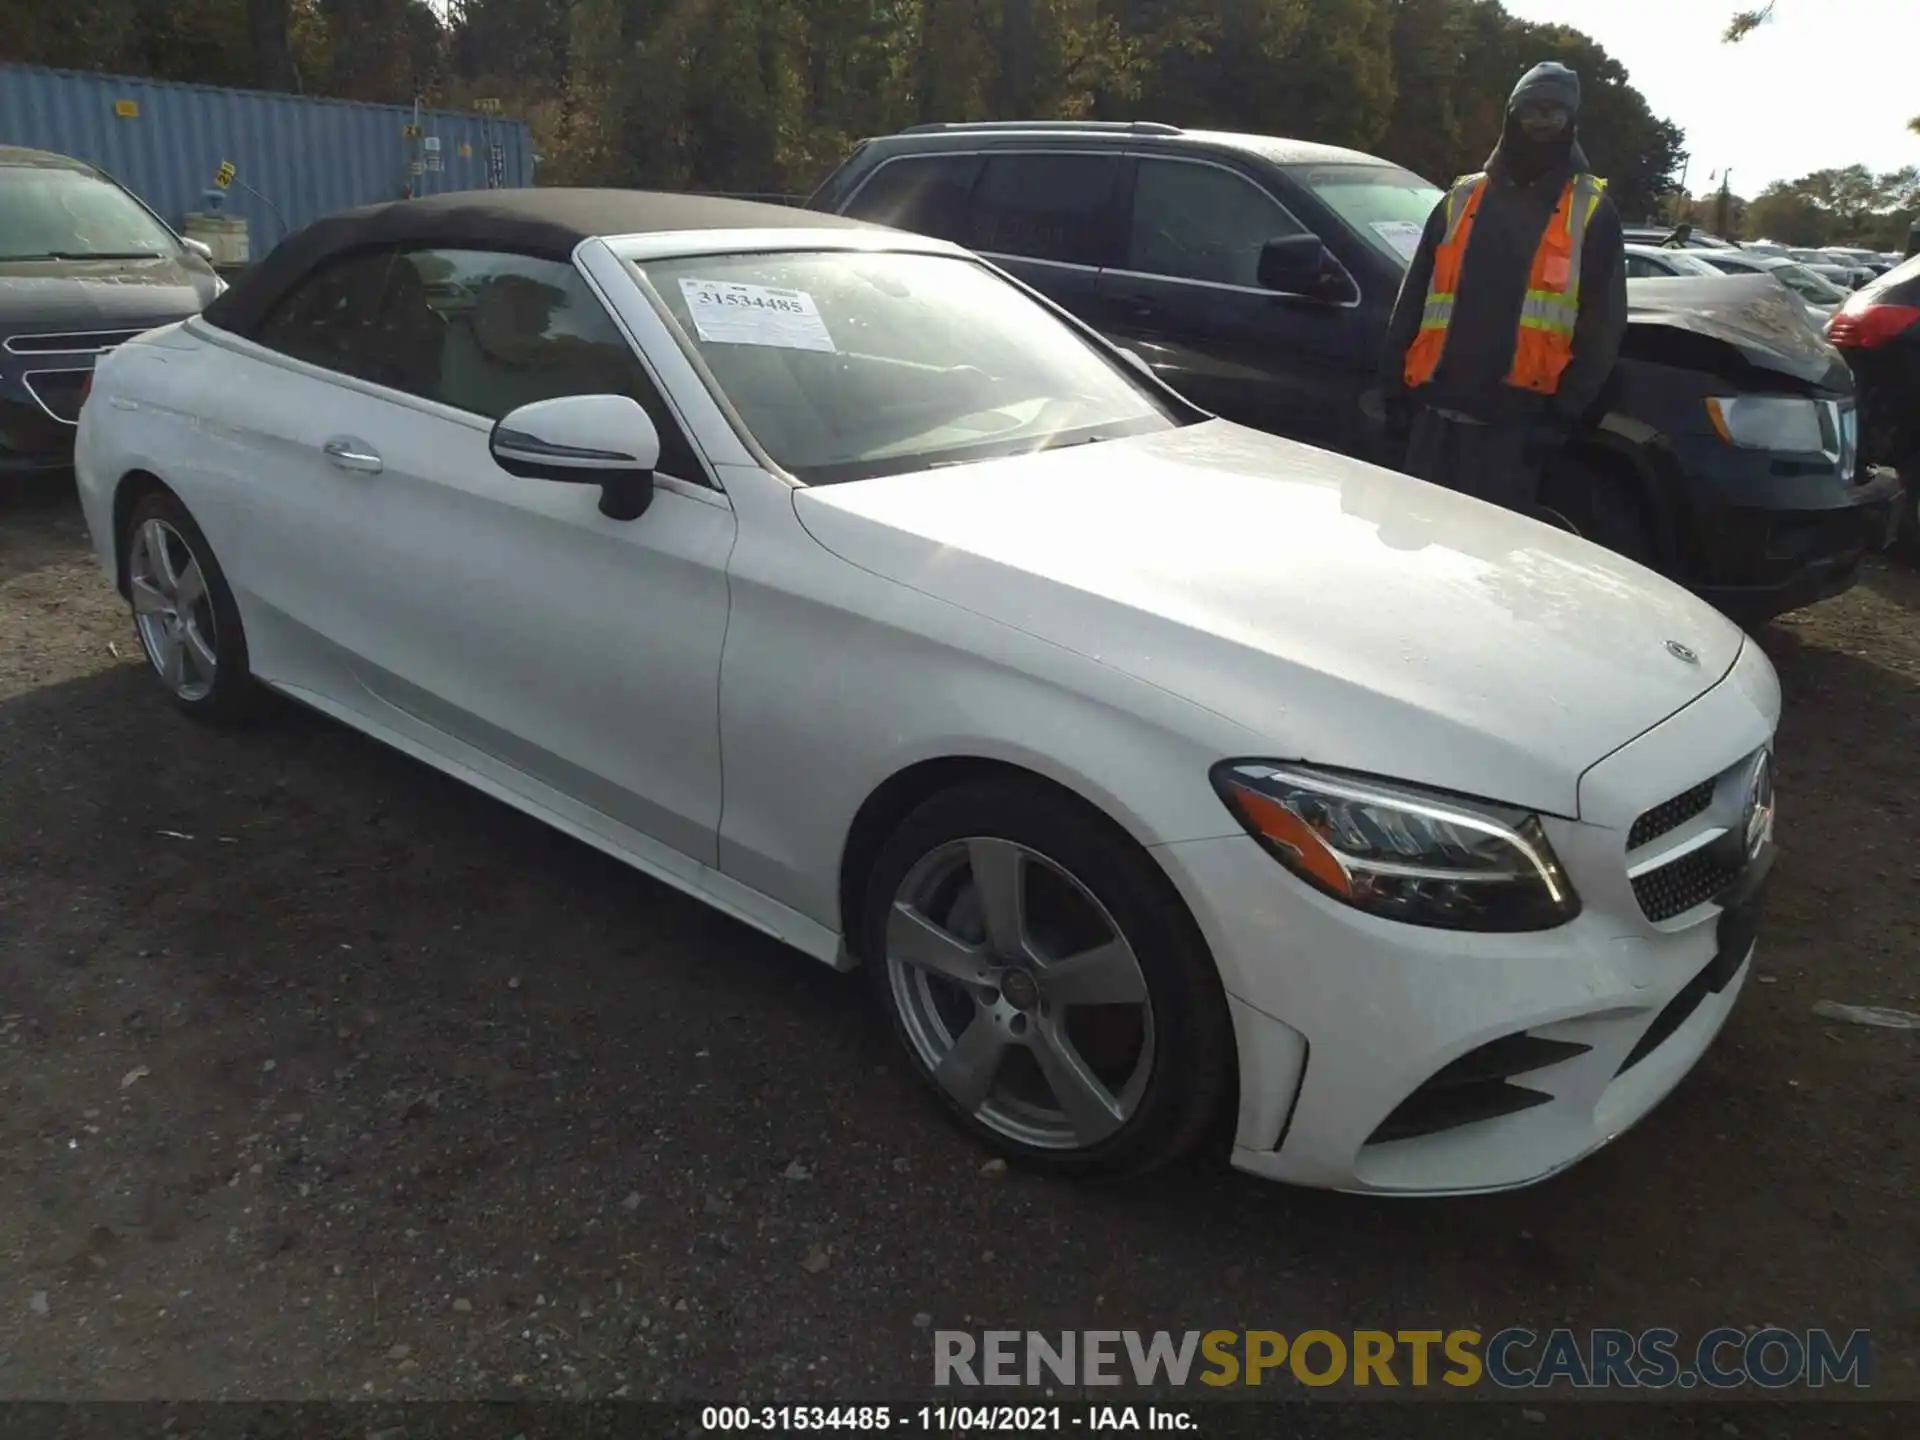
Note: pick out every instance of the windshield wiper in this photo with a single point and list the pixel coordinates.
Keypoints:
(88, 255)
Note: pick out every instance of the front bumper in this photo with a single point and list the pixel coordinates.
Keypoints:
(1777, 546)
(32, 442)
(1347, 1025)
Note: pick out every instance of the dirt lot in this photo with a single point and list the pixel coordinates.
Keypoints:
(321, 1076)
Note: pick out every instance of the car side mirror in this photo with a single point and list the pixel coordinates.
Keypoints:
(198, 247)
(604, 440)
(1301, 265)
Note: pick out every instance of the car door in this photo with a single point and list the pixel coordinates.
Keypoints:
(1187, 299)
(510, 615)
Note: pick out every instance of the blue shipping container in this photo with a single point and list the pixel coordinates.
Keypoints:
(305, 158)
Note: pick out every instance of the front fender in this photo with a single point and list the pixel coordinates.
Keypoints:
(835, 679)
(1640, 454)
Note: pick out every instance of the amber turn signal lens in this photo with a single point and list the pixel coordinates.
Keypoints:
(1280, 826)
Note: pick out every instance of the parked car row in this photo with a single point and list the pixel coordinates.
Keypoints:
(1820, 298)
(1848, 267)
(1256, 275)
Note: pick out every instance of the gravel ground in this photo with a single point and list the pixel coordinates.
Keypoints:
(323, 1077)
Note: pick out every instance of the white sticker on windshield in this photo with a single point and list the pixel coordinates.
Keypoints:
(728, 313)
(1402, 235)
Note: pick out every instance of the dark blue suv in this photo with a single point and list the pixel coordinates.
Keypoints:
(1256, 275)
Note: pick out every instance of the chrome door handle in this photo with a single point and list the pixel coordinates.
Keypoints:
(352, 455)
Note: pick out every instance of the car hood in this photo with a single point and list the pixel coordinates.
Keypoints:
(1755, 314)
(100, 294)
(1345, 614)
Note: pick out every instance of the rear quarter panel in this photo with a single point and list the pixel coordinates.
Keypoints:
(144, 416)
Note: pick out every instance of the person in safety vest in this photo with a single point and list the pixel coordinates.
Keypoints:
(1511, 316)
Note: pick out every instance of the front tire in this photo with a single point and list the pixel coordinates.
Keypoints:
(1046, 981)
(184, 613)
(1595, 503)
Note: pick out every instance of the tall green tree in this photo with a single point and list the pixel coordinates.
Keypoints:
(1425, 130)
(1831, 207)
(753, 95)
(1458, 61)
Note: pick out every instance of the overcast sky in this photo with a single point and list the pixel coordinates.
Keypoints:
(1827, 83)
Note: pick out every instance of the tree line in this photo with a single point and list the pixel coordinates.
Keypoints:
(769, 95)
(1853, 206)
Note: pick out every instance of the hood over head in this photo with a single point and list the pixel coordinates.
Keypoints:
(1549, 80)
(1524, 159)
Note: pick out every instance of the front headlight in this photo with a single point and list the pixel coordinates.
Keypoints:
(1401, 853)
(1768, 422)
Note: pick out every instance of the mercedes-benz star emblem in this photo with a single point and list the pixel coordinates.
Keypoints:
(1681, 652)
(1757, 821)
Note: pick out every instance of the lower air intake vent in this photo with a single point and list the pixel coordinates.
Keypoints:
(1476, 1087)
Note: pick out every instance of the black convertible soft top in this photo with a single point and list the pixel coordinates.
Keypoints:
(542, 222)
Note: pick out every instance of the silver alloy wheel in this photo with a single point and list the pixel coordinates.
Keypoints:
(1020, 993)
(172, 610)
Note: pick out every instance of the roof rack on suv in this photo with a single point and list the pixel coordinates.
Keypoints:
(1137, 127)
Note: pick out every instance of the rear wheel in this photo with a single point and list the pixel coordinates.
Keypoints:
(1046, 981)
(184, 612)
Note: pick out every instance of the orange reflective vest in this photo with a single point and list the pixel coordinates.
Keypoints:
(1544, 347)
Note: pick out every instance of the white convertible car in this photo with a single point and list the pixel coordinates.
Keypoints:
(1150, 765)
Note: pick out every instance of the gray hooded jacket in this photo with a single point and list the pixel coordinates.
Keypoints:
(1526, 184)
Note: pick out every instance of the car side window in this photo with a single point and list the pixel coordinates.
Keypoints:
(1639, 268)
(926, 194)
(330, 318)
(1200, 222)
(482, 331)
(1046, 207)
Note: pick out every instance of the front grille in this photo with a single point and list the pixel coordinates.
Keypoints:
(1693, 879)
(1477, 1087)
(60, 392)
(79, 342)
(1671, 815)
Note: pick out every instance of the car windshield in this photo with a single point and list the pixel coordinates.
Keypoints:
(57, 214)
(1807, 284)
(1383, 204)
(847, 365)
